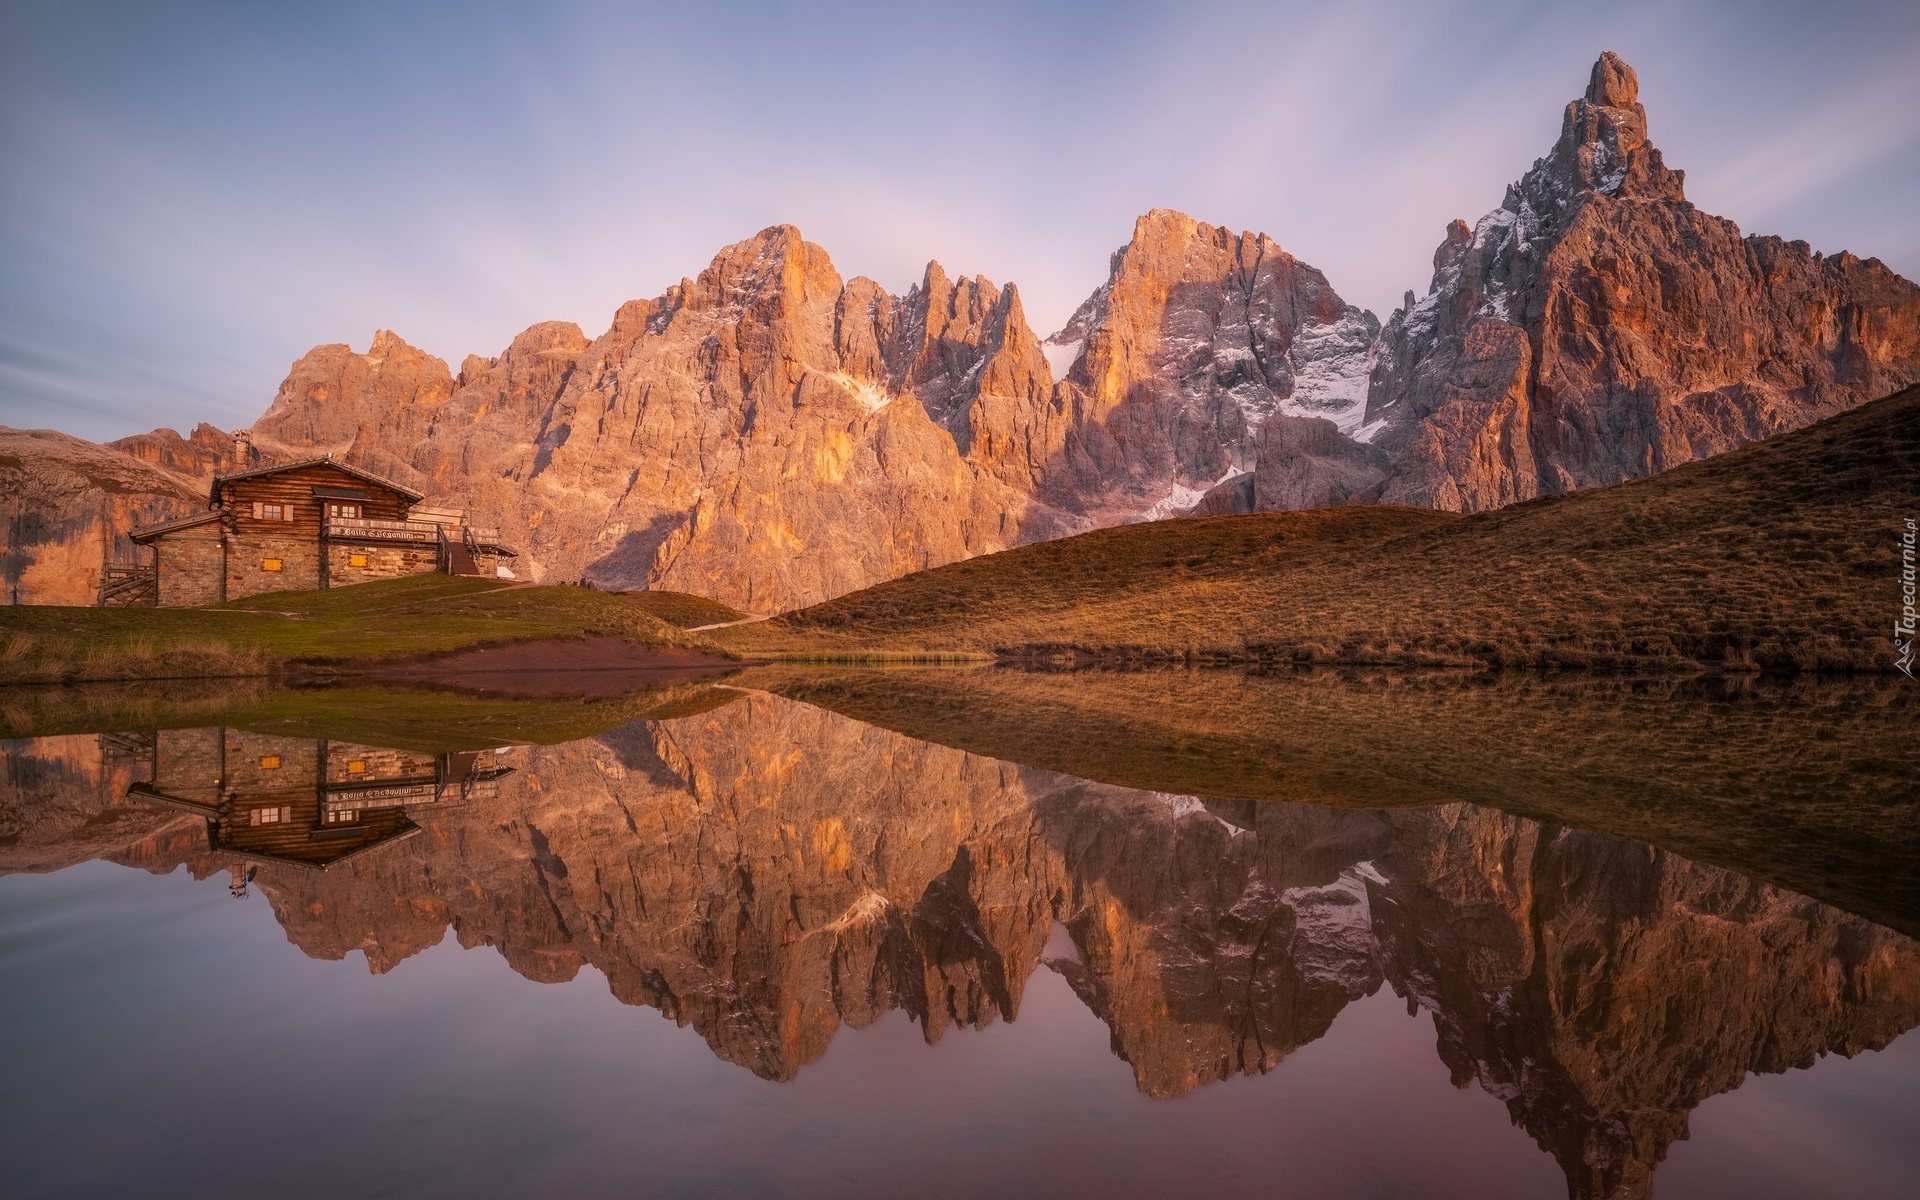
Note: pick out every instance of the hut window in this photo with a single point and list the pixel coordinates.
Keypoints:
(269, 762)
(356, 560)
(356, 767)
(270, 816)
(272, 512)
(271, 564)
(342, 510)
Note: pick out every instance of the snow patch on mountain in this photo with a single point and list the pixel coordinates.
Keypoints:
(1061, 356)
(870, 396)
(1331, 366)
(1180, 499)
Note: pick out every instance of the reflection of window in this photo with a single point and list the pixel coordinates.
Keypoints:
(271, 564)
(356, 560)
(270, 816)
(270, 762)
(356, 767)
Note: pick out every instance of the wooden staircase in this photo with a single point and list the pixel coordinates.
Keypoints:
(458, 553)
(129, 587)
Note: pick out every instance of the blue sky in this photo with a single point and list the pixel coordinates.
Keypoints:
(192, 195)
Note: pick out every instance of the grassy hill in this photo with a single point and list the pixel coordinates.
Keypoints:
(1783, 555)
(329, 629)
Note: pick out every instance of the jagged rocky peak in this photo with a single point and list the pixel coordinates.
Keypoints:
(776, 262)
(1597, 327)
(1215, 313)
(331, 394)
(1603, 145)
(199, 456)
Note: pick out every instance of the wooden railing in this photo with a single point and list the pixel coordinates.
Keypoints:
(423, 533)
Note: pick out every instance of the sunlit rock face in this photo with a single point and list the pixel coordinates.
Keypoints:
(370, 406)
(198, 457)
(771, 436)
(1596, 326)
(767, 871)
(1199, 337)
(766, 434)
(65, 508)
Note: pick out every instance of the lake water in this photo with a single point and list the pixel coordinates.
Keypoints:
(759, 947)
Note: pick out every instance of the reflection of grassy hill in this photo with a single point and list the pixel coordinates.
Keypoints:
(404, 718)
(1809, 785)
(423, 614)
(1782, 555)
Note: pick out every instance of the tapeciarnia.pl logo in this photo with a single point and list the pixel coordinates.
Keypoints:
(1903, 625)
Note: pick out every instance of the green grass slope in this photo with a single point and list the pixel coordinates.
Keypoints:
(1783, 555)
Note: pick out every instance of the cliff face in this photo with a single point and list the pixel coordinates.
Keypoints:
(1198, 338)
(199, 456)
(1597, 326)
(765, 434)
(65, 508)
(767, 871)
(771, 436)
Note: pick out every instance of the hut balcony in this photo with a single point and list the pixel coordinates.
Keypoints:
(374, 529)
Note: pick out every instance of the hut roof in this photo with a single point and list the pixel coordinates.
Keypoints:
(328, 460)
(146, 535)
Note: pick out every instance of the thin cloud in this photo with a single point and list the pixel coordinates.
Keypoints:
(192, 201)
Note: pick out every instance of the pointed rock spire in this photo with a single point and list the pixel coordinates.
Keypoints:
(1614, 84)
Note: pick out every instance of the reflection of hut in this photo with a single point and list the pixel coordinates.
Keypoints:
(308, 801)
(302, 525)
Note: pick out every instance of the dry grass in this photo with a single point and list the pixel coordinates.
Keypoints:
(1783, 556)
(682, 610)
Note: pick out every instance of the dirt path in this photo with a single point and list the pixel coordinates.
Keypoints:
(730, 624)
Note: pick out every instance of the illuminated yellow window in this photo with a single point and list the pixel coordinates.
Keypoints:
(271, 564)
(270, 762)
(356, 560)
(356, 767)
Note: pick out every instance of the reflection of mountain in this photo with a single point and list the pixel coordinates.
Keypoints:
(767, 871)
(1804, 784)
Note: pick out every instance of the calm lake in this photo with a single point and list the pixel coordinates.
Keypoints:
(964, 934)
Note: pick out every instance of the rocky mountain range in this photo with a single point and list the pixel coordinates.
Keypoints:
(766, 871)
(770, 434)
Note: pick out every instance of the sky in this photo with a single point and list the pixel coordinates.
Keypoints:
(192, 195)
